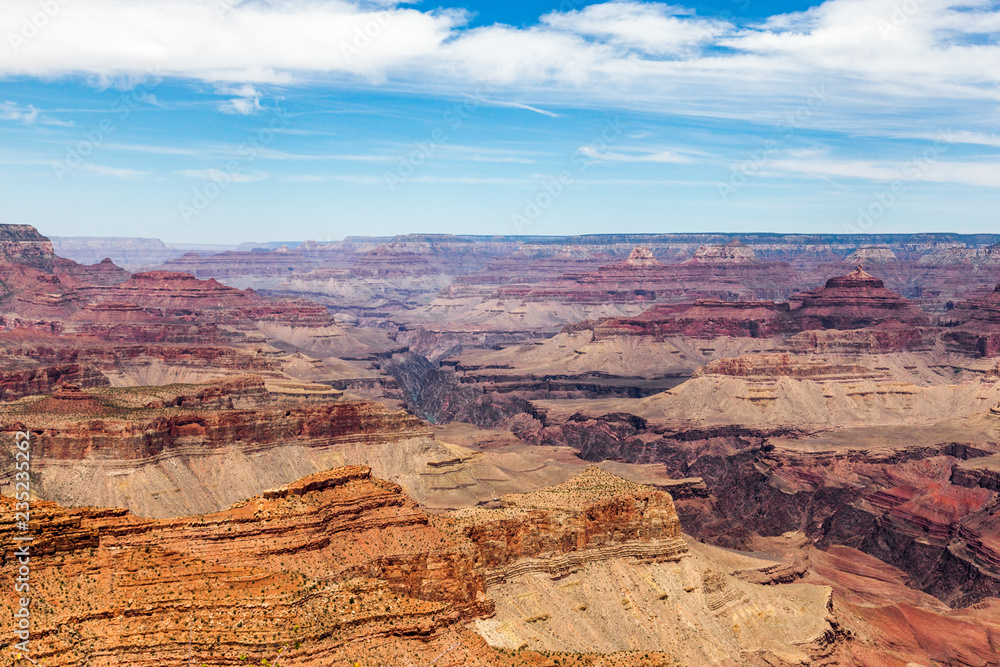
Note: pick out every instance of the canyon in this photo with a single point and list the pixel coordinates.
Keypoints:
(652, 450)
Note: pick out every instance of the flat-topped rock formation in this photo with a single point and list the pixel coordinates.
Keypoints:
(147, 424)
(621, 290)
(734, 252)
(135, 254)
(593, 510)
(855, 301)
(846, 303)
(70, 399)
(768, 366)
(233, 264)
(871, 255)
(976, 257)
(702, 319)
(803, 392)
(173, 294)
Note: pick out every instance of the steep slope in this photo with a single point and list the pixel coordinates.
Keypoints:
(800, 391)
(318, 572)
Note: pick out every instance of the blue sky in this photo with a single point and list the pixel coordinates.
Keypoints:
(221, 121)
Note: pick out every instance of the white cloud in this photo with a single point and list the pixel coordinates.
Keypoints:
(877, 58)
(651, 28)
(14, 111)
(124, 174)
(977, 174)
(220, 40)
(305, 178)
(514, 105)
(246, 103)
(221, 176)
(663, 156)
(243, 106)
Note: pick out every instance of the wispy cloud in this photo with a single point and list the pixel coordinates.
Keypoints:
(976, 174)
(246, 103)
(153, 149)
(223, 176)
(116, 172)
(15, 112)
(513, 105)
(305, 178)
(664, 156)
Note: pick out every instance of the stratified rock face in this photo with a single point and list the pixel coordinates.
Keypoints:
(600, 562)
(977, 257)
(319, 569)
(503, 297)
(871, 255)
(594, 511)
(169, 289)
(859, 341)
(763, 390)
(981, 310)
(702, 319)
(855, 301)
(767, 366)
(39, 361)
(22, 244)
(976, 324)
(136, 426)
(166, 306)
(734, 252)
(43, 379)
(641, 256)
(899, 493)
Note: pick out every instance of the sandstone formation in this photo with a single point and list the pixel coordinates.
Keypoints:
(578, 565)
(595, 512)
(921, 498)
(703, 319)
(319, 572)
(341, 568)
(855, 301)
(641, 256)
(975, 324)
(734, 252)
(871, 255)
(844, 430)
(160, 451)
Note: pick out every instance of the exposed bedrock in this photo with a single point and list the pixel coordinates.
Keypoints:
(449, 392)
(173, 430)
(919, 507)
(322, 567)
(15, 384)
(436, 393)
